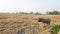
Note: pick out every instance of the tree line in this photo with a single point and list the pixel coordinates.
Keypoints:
(29, 13)
(54, 12)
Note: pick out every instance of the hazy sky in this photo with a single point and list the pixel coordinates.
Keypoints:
(29, 5)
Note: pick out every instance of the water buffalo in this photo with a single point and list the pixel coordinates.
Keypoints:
(44, 20)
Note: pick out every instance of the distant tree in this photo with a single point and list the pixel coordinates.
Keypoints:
(31, 12)
(21, 12)
(47, 12)
(37, 13)
(54, 12)
(26, 13)
(50, 13)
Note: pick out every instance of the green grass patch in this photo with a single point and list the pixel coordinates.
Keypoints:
(55, 29)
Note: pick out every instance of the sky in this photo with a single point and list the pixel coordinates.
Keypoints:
(41, 6)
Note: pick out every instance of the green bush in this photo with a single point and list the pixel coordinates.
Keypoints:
(55, 29)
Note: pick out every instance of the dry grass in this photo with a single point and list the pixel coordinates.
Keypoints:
(28, 23)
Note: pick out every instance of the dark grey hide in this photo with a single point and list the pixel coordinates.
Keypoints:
(45, 21)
